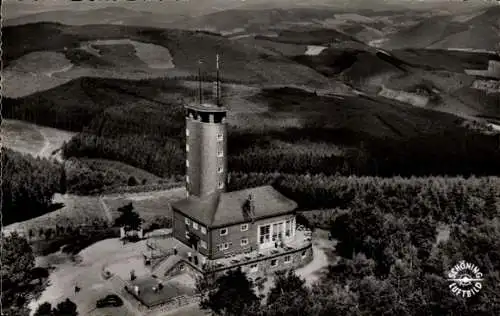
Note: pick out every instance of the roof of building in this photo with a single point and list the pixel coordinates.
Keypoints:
(207, 106)
(226, 208)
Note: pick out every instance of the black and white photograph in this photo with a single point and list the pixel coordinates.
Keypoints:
(250, 158)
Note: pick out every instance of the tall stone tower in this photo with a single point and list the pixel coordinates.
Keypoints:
(206, 145)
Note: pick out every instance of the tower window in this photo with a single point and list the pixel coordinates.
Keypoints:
(187, 179)
(220, 170)
(288, 259)
(220, 153)
(187, 147)
(223, 232)
(221, 185)
(187, 131)
(220, 136)
(187, 163)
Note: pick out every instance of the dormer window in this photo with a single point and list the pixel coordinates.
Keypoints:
(223, 231)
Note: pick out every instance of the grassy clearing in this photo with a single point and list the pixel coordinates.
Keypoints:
(130, 171)
(22, 137)
(151, 206)
(75, 211)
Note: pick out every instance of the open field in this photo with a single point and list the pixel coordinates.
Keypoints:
(84, 210)
(75, 211)
(151, 206)
(39, 141)
(104, 164)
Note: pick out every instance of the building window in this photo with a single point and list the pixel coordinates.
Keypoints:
(220, 170)
(304, 253)
(265, 234)
(187, 131)
(187, 163)
(195, 225)
(224, 246)
(203, 244)
(274, 262)
(221, 184)
(223, 231)
(187, 179)
(181, 267)
(254, 268)
(277, 231)
(288, 228)
(187, 221)
(244, 227)
(220, 137)
(244, 242)
(187, 235)
(203, 230)
(187, 147)
(220, 153)
(288, 259)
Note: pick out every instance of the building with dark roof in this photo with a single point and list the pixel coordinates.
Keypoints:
(221, 226)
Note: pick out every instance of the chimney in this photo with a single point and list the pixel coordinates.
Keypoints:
(249, 207)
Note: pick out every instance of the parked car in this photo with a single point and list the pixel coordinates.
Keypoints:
(109, 300)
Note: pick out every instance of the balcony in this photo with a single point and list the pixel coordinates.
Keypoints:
(301, 240)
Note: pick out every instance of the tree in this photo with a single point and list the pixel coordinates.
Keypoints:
(66, 308)
(128, 218)
(17, 262)
(132, 181)
(289, 296)
(45, 309)
(232, 294)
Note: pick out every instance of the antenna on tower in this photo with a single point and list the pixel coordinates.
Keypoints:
(199, 82)
(218, 82)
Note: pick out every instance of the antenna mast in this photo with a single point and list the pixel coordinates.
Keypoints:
(199, 82)
(218, 83)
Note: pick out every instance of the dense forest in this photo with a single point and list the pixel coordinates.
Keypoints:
(445, 199)
(390, 260)
(28, 185)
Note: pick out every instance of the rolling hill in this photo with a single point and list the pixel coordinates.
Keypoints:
(481, 32)
(241, 62)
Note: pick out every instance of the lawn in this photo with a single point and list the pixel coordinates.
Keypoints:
(151, 206)
(22, 137)
(138, 174)
(75, 211)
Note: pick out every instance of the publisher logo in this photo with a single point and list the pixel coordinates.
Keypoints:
(465, 279)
